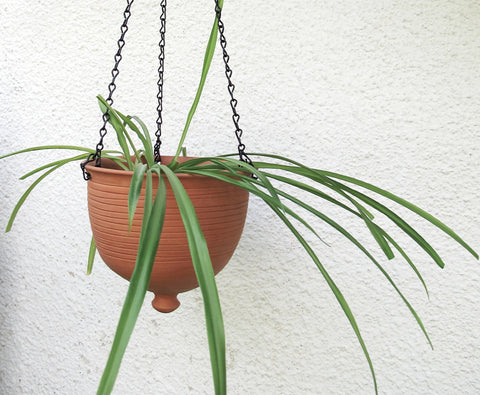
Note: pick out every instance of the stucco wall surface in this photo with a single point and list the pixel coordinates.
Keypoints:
(386, 91)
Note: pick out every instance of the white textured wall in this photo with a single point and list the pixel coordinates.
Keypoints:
(384, 90)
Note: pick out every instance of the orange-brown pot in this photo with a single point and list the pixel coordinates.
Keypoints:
(221, 210)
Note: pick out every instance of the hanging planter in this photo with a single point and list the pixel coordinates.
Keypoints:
(169, 224)
(221, 210)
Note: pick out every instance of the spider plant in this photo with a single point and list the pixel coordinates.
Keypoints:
(272, 178)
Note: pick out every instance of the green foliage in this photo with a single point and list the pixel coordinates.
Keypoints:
(207, 61)
(91, 255)
(206, 280)
(324, 185)
(152, 224)
(135, 190)
(337, 189)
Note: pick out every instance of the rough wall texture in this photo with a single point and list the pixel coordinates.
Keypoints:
(386, 91)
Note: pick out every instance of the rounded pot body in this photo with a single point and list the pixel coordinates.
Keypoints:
(221, 209)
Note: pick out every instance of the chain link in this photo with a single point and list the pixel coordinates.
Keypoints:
(161, 59)
(97, 156)
(231, 87)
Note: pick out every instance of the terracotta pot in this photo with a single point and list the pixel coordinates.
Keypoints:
(221, 210)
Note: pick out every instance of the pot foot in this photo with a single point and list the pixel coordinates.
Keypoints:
(165, 303)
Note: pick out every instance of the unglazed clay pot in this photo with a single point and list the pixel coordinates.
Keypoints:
(221, 210)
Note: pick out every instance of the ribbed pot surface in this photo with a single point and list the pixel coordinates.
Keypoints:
(221, 210)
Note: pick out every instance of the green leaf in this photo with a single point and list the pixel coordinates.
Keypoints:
(144, 128)
(149, 238)
(312, 190)
(144, 137)
(325, 181)
(121, 132)
(49, 147)
(91, 255)
(118, 160)
(318, 174)
(378, 236)
(360, 246)
(25, 195)
(60, 162)
(336, 291)
(247, 183)
(316, 192)
(402, 224)
(149, 154)
(234, 167)
(135, 190)
(206, 279)
(51, 166)
(407, 258)
(417, 210)
(207, 60)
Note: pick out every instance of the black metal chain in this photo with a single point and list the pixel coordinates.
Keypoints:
(112, 87)
(228, 72)
(161, 59)
(97, 156)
